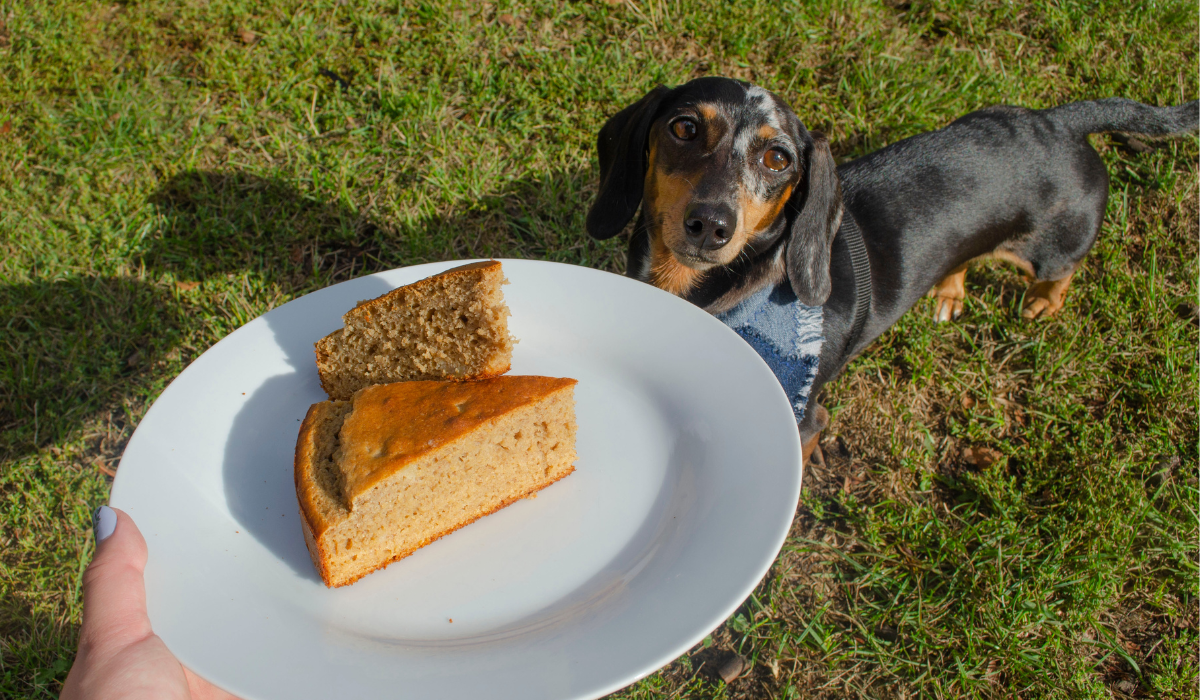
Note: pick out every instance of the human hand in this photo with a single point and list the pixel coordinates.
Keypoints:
(119, 655)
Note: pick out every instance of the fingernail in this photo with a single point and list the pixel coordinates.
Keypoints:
(104, 521)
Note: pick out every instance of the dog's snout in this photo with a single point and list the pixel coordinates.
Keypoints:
(709, 226)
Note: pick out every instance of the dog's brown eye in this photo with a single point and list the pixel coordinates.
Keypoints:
(684, 129)
(776, 159)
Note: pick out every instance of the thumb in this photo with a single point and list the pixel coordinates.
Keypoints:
(114, 594)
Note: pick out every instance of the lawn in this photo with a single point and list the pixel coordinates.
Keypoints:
(1007, 508)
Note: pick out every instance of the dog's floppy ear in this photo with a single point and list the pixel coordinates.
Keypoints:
(816, 211)
(622, 150)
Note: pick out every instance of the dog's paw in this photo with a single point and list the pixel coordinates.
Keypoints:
(1040, 307)
(1044, 299)
(948, 308)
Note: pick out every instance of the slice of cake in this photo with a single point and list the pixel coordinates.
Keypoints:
(400, 465)
(450, 326)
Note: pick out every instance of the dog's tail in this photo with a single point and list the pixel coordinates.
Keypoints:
(1117, 114)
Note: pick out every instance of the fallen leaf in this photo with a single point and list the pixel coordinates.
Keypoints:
(5, 128)
(967, 402)
(980, 457)
(186, 286)
(507, 19)
(248, 37)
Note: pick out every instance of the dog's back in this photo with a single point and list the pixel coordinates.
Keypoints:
(1018, 184)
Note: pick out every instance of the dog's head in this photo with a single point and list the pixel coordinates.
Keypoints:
(723, 170)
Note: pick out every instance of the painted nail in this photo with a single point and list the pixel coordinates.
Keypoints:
(104, 521)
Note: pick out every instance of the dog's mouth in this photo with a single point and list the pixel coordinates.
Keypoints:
(695, 261)
(699, 259)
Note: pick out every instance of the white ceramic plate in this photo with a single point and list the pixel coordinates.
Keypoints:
(686, 483)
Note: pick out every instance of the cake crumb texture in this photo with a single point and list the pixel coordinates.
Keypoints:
(453, 325)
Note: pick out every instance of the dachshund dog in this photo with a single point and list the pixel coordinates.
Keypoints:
(736, 194)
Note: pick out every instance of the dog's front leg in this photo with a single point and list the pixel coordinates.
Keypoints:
(816, 418)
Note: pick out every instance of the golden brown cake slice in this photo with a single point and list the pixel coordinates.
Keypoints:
(453, 325)
(400, 465)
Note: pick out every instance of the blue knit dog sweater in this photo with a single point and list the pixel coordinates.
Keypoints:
(786, 334)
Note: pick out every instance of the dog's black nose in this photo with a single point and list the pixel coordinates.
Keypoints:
(709, 226)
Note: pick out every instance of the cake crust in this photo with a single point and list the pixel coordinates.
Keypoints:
(312, 520)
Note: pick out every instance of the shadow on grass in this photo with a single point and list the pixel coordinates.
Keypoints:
(223, 222)
(76, 347)
(218, 223)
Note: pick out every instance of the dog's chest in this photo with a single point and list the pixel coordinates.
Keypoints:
(788, 336)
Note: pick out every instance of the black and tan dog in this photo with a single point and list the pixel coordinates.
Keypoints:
(736, 194)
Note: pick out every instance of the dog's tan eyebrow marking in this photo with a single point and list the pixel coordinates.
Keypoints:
(762, 134)
(714, 124)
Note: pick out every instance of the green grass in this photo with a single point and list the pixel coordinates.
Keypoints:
(1007, 508)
